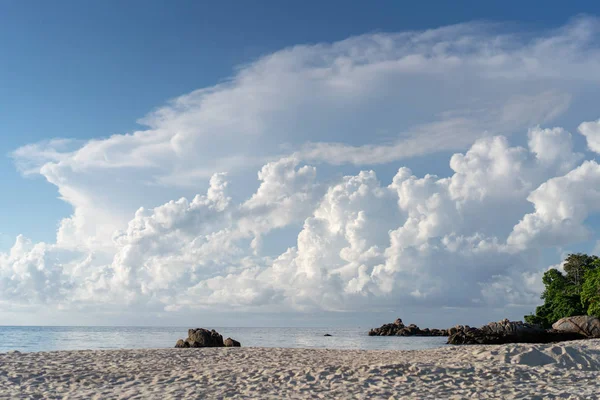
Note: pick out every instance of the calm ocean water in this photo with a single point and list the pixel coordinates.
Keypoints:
(46, 338)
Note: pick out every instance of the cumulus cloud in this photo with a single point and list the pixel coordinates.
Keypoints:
(469, 239)
(562, 205)
(435, 241)
(591, 131)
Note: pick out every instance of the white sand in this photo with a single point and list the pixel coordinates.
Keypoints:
(568, 370)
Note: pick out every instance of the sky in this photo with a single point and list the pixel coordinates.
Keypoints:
(293, 163)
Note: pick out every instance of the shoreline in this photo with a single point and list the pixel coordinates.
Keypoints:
(16, 352)
(570, 369)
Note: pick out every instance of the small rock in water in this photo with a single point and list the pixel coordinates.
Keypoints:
(327, 334)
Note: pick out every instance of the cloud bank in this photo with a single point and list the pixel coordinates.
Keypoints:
(346, 242)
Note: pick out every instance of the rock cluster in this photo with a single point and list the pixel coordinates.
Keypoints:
(201, 337)
(397, 328)
(506, 331)
(502, 332)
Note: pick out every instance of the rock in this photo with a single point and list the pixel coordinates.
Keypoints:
(582, 324)
(229, 342)
(397, 328)
(191, 343)
(201, 337)
(455, 329)
(506, 331)
(327, 334)
(438, 332)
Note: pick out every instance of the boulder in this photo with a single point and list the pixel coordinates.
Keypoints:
(506, 331)
(581, 324)
(457, 328)
(201, 337)
(229, 342)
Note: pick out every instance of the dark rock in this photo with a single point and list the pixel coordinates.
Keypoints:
(453, 330)
(438, 332)
(506, 331)
(327, 334)
(582, 324)
(399, 329)
(229, 342)
(204, 338)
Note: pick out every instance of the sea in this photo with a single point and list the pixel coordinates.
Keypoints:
(54, 338)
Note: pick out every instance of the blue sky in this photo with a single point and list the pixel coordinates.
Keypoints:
(85, 70)
(113, 106)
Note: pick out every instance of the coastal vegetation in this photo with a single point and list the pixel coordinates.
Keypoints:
(574, 292)
(571, 311)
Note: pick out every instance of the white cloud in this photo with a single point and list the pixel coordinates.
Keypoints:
(421, 241)
(562, 205)
(591, 131)
(369, 99)
(553, 148)
(466, 240)
(286, 195)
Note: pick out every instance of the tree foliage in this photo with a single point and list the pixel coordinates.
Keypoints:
(590, 291)
(576, 292)
(576, 266)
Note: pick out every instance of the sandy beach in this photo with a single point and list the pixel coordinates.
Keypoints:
(566, 370)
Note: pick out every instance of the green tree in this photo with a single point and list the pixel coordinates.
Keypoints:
(576, 292)
(576, 266)
(590, 291)
(560, 298)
